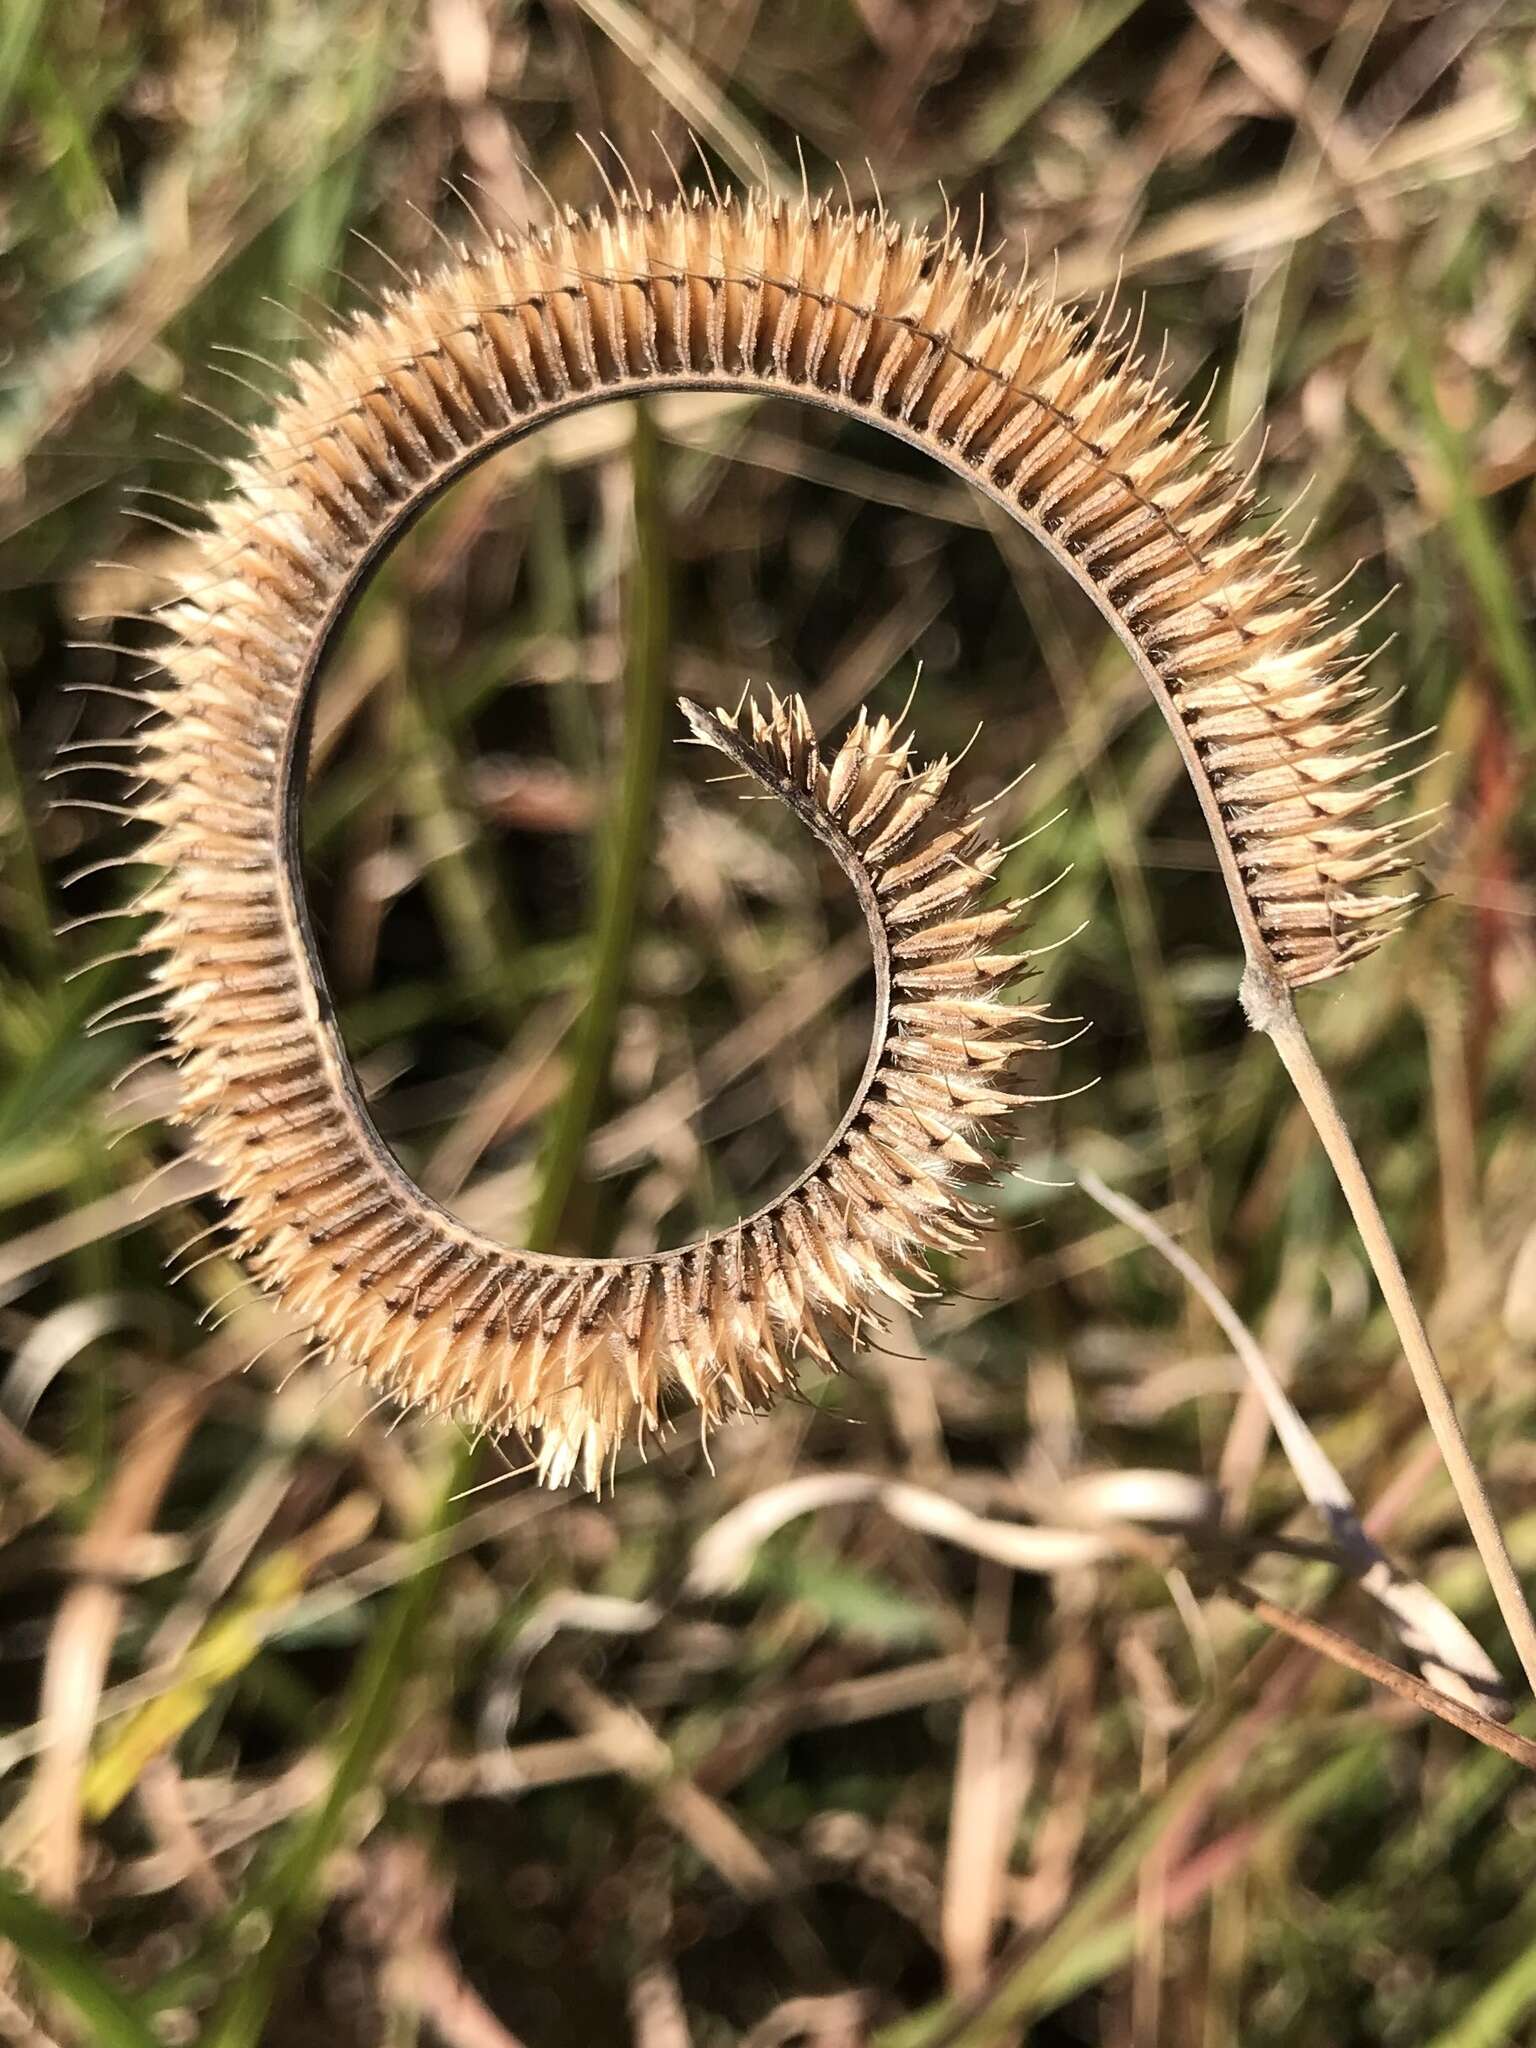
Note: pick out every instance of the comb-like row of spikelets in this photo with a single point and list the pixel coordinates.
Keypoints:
(1053, 419)
(888, 326)
(578, 1354)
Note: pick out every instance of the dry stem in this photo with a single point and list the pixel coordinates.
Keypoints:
(1339, 1649)
(1270, 1009)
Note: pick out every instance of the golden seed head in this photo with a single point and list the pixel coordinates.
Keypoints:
(1054, 422)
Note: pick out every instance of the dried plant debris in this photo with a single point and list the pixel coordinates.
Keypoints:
(579, 1354)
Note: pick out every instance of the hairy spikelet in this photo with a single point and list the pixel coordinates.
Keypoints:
(1053, 421)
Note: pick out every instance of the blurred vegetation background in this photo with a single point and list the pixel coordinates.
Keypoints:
(299, 1740)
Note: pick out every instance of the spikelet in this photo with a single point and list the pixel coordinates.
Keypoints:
(1263, 693)
(577, 1354)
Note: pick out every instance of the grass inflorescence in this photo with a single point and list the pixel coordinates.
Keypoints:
(920, 1708)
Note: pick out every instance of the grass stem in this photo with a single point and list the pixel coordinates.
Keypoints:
(1352, 1656)
(625, 848)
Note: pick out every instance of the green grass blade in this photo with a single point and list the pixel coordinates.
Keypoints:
(22, 21)
(1492, 2020)
(624, 854)
(1484, 561)
(63, 1965)
(1084, 31)
(289, 1894)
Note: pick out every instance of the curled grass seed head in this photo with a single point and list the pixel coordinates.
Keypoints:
(1264, 694)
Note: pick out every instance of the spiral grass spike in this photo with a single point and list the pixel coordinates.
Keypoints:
(1045, 413)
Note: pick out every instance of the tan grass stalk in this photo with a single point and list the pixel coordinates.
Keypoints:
(1352, 1656)
(1265, 695)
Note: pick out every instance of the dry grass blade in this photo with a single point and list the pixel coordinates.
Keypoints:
(44, 1833)
(1449, 1654)
(722, 1557)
